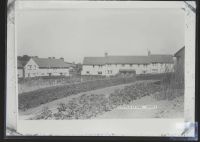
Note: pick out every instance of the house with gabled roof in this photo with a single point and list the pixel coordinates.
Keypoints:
(35, 67)
(180, 64)
(112, 65)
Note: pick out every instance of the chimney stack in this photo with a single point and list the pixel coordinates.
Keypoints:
(149, 52)
(106, 54)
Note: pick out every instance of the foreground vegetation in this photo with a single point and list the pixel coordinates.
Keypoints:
(36, 98)
(88, 106)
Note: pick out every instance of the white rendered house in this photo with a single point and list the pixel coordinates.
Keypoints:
(112, 65)
(35, 67)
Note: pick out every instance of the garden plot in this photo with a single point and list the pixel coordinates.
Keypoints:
(54, 104)
(90, 105)
(36, 98)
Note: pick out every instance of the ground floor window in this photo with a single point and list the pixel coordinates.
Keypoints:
(109, 71)
(100, 72)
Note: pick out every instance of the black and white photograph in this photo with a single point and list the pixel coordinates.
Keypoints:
(92, 62)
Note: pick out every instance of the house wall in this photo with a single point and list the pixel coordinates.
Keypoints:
(53, 72)
(160, 68)
(180, 63)
(113, 69)
(32, 70)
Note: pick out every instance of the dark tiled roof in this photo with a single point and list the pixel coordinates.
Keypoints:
(128, 60)
(161, 58)
(94, 61)
(70, 64)
(180, 50)
(50, 63)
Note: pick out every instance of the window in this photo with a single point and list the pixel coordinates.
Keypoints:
(93, 66)
(29, 66)
(131, 65)
(87, 72)
(109, 71)
(99, 72)
(123, 65)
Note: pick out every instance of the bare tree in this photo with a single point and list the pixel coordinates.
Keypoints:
(10, 9)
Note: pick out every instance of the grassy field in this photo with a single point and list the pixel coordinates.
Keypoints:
(31, 84)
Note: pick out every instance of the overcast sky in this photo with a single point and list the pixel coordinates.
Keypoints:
(76, 33)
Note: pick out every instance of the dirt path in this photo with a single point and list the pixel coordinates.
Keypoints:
(53, 105)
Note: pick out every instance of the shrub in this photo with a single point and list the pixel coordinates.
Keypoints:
(45, 114)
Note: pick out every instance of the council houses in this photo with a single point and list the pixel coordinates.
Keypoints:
(112, 65)
(35, 67)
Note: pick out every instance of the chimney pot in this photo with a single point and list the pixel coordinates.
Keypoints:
(106, 54)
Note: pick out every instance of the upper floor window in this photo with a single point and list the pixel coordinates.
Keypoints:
(29, 66)
(93, 66)
(109, 71)
(35, 67)
(123, 65)
(131, 65)
(87, 72)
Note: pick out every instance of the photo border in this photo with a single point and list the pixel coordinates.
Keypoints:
(127, 137)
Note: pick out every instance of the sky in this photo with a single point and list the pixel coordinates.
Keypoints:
(77, 33)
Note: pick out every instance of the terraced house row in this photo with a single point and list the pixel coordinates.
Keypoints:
(112, 65)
